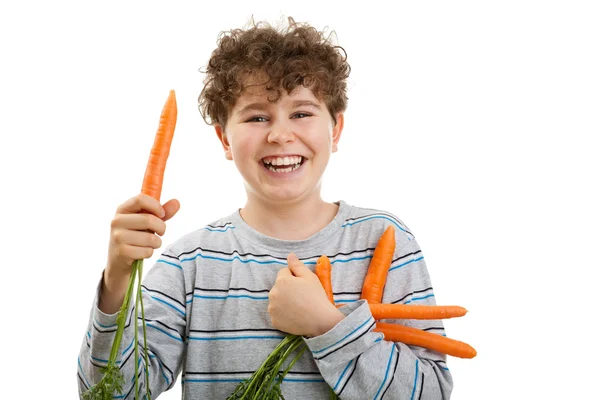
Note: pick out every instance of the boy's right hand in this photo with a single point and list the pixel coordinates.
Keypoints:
(134, 234)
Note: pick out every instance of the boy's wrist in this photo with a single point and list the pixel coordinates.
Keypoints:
(330, 319)
(112, 291)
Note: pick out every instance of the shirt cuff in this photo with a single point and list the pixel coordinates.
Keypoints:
(357, 323)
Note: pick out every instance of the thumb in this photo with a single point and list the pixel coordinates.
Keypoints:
(171, 207)
(296, 266)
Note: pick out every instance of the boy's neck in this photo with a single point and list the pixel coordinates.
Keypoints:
(296, 221)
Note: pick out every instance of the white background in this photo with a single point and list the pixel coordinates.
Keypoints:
(476, 122)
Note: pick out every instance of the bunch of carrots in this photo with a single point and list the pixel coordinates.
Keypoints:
(372, 291)
(112, 378)
(265, 382)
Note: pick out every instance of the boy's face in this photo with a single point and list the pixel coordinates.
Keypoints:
(281, 149)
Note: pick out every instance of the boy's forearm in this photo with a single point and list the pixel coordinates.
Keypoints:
(112, 292)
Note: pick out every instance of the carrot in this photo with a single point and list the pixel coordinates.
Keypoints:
(155, 169)
(405, 311)
(432, 341)
(401, 333)
(112, 380)
(323, 272)
(372, 290)
(389, 311)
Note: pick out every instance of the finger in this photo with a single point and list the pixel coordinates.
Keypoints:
(296, 266)
(140, 222)
(140, 203)
(284, 272)
(171, 207)
(136, 238)
(135, 252)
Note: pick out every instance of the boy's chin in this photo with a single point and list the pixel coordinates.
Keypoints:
(282, 196)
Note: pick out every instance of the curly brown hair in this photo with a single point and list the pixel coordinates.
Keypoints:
(276, 59)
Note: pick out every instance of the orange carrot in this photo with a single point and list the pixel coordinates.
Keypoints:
(372, 290)
(432, 341)
(389, 311)
(155, 169)
(405, 311)
(323, 272)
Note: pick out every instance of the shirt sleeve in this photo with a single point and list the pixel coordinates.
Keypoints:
(359, 363)
(163, 294)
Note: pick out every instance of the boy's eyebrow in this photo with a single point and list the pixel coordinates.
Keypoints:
(253, 106)
(263, 106)
(299, 103)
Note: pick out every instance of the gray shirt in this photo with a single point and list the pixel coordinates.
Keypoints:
(205, 303)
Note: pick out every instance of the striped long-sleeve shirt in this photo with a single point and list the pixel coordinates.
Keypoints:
(206, 302)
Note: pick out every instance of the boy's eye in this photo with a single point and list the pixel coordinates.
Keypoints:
(301, 115)
(257, 119)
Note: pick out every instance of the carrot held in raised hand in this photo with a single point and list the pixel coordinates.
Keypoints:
(155, 169)
(112, 381)
(323, 272)
(376, 277)
(405, 311)
(432, 341)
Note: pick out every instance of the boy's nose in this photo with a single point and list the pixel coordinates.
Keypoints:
(281, 132)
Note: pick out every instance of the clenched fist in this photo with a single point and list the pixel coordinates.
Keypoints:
(298, 303)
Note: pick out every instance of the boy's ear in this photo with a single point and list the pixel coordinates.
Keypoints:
(224, 142)
(337, 131)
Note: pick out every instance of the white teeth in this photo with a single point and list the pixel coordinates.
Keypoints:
(282, 170)
(283, 160)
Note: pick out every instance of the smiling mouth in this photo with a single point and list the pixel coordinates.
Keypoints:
(285, 164)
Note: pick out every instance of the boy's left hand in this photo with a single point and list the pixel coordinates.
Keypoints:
(298, 304)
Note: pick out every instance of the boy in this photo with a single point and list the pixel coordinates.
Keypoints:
(220, 299)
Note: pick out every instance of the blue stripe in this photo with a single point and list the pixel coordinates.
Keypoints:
(345, 337)
(250, 260)
(342, 375)
(82, 373)
(164, 302)
(412, 396)
(160, 364)
(240, 380)
(165, 332)
(347, 301)
(234, 296)
(419, 298)
(348, 260)
(219, 230)
(170, 263)
(376, 217)
(238, 337)
(128, 347)
(231, 259)
(104, 326)
(408, 262)
(387, 371)
(139, 362)
(102, 360)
